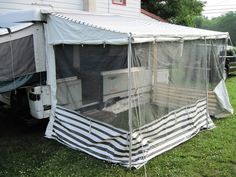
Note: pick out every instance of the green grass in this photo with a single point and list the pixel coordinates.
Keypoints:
(25, 152)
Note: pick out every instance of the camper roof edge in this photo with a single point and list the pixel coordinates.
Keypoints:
(22, 16)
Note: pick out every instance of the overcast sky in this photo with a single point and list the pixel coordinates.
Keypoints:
(216, 8)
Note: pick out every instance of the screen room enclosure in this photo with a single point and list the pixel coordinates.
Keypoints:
(121, 89)
(126, 92)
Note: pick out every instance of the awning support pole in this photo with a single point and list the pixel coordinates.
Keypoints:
(225, 54)
(129, 99)
(206, 76)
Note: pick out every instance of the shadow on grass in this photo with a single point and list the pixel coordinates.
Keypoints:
(13, 125)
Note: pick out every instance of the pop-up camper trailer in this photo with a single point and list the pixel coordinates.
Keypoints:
(122, 89)
(23, 63)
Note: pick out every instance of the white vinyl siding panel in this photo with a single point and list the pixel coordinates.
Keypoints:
(9, 5)
(132, 7)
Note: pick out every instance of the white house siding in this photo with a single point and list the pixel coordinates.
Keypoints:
(10, 5)
(132, 7)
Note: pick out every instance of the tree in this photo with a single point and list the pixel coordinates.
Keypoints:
(224, 23)
(182, 12)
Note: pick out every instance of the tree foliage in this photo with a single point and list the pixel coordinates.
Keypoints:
(225, 23)
(182, 12)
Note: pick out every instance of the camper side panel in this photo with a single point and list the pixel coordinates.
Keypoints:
(38, 43)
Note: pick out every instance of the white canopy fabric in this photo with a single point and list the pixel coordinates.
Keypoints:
(64, 31)
(223, 99)
(113, 29)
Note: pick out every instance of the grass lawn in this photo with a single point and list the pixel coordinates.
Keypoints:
(25, 152)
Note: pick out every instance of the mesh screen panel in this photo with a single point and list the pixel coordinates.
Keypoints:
(17, 58)
(215, 57)
(92, 79)
(174, 78)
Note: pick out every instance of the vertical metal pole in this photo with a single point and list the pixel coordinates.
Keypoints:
(129, 99)
(206, 74)
(226, 44)
(224, 58)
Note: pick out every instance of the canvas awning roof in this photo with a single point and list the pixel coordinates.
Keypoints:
(94, 28)
(87, 28)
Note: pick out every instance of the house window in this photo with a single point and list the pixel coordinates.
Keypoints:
(119, 2)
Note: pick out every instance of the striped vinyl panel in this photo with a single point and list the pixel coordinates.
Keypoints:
(164, 92)
(112, 144)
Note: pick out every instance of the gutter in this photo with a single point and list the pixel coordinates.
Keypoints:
(149, 14)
